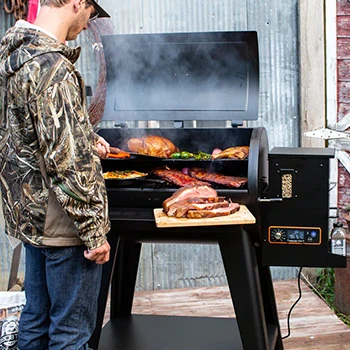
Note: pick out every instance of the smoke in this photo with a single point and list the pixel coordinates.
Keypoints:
(181, 77)
(170, 74)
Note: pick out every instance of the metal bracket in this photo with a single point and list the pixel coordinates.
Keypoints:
(328, 134)
(178, 124)
(236, 123)
(121, 125)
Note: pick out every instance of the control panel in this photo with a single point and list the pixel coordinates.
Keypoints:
(294, 235)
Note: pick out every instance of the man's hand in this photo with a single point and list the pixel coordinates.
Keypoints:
(100, 255)
(102, 147)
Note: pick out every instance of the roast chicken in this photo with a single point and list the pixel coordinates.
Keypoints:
(238, 152)
(152, 145)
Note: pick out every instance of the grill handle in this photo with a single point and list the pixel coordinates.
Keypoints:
(268, 200)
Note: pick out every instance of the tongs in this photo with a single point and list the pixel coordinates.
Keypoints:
(118, 153)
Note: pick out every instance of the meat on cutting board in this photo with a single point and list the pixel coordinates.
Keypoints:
(186, 192)
(179, 209)
(200, 214)
(196, 202)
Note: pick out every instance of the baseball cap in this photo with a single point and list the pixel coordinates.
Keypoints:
(99, 10)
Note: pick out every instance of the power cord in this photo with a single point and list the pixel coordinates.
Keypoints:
(296, 302)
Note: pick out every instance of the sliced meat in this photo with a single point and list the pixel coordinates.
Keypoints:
(229, 181)
(189, 192)
(199, 214)
(180, 208)
(177, 177)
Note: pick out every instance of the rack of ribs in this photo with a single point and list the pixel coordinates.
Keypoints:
(229, 181)
(177, 177)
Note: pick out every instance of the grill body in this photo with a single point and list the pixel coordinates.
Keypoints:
(178, 81)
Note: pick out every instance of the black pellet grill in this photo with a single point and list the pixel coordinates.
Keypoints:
(198, 88)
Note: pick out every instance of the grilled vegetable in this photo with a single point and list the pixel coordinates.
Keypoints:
(176, 155)
(204, 156)
(216, 151)
(189, 155)
(186, 155)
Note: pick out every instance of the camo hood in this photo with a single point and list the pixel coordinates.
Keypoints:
(20, 45)
(52, 187)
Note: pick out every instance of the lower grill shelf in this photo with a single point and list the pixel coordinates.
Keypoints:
(143, 332)
(131, 214)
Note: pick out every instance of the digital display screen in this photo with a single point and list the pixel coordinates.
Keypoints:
(295, 235)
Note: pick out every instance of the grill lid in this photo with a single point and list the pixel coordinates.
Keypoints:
(182, 76)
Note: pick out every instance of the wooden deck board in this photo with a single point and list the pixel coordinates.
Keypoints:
(313, 324)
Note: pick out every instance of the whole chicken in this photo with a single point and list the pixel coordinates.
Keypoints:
(238, 152)
(152, 145)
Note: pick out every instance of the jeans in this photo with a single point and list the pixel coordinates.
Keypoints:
(61, 288)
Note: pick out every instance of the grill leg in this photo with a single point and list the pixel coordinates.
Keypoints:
(242, 273)
(124, 278)
(270, 305)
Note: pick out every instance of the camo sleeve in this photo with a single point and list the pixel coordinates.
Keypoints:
(67, 143)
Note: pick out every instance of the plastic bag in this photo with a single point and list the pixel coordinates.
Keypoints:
(11, 305)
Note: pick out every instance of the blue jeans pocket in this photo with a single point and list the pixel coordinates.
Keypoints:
(59, 252)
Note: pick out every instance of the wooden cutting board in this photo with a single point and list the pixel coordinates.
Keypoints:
(241, 217)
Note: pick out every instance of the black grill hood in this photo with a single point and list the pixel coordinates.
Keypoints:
(182, 76)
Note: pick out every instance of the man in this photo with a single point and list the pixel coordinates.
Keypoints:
(54, 197)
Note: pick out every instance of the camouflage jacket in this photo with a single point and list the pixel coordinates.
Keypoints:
(53, 192)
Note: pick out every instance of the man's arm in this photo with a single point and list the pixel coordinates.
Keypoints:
(71, 160)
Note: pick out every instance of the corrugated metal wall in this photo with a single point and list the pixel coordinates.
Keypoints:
(165, 266)
(174, 266)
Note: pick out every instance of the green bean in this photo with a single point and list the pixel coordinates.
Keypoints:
(185, 155)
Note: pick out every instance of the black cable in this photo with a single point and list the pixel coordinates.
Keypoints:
(296, 302)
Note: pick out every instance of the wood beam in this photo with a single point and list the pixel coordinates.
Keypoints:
(312, 70)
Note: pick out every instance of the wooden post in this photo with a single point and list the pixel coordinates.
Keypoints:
(312, 70)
